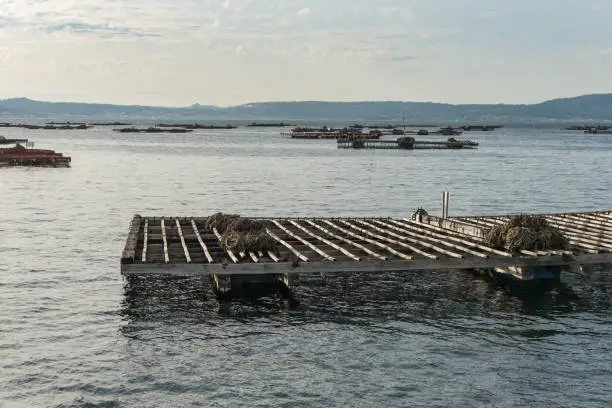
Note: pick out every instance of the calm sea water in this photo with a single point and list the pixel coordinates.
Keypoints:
(74, 334)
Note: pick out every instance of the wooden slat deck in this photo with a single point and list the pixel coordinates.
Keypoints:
(184, 246)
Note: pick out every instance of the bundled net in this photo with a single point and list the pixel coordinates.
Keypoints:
(241, 234)
(526, 232)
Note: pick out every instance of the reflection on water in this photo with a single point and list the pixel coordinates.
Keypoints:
(436, 299)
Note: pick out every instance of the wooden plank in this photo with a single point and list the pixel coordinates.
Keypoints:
(287, 245)
(593, 220)
(303, 241)
(165, 240)
(325, 241)
(185, 249)
(364, 266)
(482, 222)
(587, 231)
(201, 241)
(393, 241)
(450, 235)
(227, 251)
(408, 234)
(581, 226)
(453, 224)
(272, 256)
(145, 240)
(587, 243)
(385, 231)
(428, 245)
(348, 241)
(129, 251)
(589, 239)
(366, 239)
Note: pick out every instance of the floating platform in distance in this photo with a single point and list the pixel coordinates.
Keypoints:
(193, 126)
(281, 124)
(333, 135)
(406, 143)
(152, 130)
(4, 141)
(45, 127)
(184, 246)
(22, 156)
(483, 128)
(110, 124)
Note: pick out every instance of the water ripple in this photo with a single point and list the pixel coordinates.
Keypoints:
(74, 334)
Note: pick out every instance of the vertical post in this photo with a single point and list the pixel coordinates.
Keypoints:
(446, 208)
(443, 206)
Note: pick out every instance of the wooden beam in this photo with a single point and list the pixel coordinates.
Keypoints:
(580, 229)
(579, 238)
(325, 241)
(450, 235)
(185, 249)
(287, 245)
(365, 266)
(602, 222)
(201, 241)
(401, 243)
(165, 240)
(385, 231)
(272, 256)
(129, 251)
(582, 226)
(422, 240)
(145, 240)
(371, 241)
(454, 224)
(303, 241)
(481, 222)
(428, 245)
(228, 251)
(348, 241)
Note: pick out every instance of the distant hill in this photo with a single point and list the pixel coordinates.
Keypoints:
(587, 107)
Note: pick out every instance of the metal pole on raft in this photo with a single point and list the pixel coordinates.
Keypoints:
(446, 209)
(445, 197)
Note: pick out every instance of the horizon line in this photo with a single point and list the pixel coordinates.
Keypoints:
(196, 104)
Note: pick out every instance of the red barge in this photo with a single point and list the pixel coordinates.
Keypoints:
(23, 156)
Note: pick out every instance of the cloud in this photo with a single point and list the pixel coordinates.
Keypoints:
(606, 51)
(176, 41)
(240, 50)
(400, 58)
(106, 31)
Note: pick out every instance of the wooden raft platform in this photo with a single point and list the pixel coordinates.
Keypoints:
(183, 246)
(417, 144)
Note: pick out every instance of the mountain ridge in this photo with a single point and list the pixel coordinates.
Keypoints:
(583, 107)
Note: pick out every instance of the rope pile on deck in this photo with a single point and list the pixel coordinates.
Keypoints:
(241, 234)
(525, 232)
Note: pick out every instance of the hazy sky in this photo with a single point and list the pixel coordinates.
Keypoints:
(230, 52)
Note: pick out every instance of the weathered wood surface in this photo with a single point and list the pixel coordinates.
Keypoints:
(129, 252)
(183, 245)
